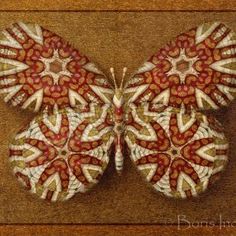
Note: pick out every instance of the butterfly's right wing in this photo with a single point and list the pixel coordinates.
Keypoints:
(178, 150)
(179, 153)
(63, 153)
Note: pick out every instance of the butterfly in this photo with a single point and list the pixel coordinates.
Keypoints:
(82, 117)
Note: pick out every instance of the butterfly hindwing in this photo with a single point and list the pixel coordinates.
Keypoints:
(63, 153)
(179, 153)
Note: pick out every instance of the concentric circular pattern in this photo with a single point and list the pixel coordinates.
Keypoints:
(39, 70)
(58, 155)
(180, 154)
(196, 70)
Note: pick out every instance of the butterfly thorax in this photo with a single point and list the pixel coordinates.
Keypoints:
(118, 101)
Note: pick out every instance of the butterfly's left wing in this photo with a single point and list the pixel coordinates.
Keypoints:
(64, 150)
(179, 153)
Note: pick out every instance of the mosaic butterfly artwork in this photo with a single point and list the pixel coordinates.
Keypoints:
(155, 116)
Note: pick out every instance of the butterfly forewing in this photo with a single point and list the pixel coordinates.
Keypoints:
(40, 70)
(195, 70)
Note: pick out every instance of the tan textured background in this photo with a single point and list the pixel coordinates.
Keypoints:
(115, 39)
(118, 5)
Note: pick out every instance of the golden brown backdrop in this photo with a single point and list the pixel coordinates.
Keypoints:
(115, 39)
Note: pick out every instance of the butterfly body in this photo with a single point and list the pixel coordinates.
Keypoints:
(119, 125)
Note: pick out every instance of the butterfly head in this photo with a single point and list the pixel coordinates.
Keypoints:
(118, 98)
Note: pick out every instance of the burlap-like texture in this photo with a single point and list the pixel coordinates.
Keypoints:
(115, 39)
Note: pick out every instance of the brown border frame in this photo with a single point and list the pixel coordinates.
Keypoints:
(116, 6)
(114, 230)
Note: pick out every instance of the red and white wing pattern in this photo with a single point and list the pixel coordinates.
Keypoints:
(179, 153)
(39, 70)
(63, 153)
(195, 70)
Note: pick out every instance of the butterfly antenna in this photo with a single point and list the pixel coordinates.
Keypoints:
(123, 76)
(113, 76)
